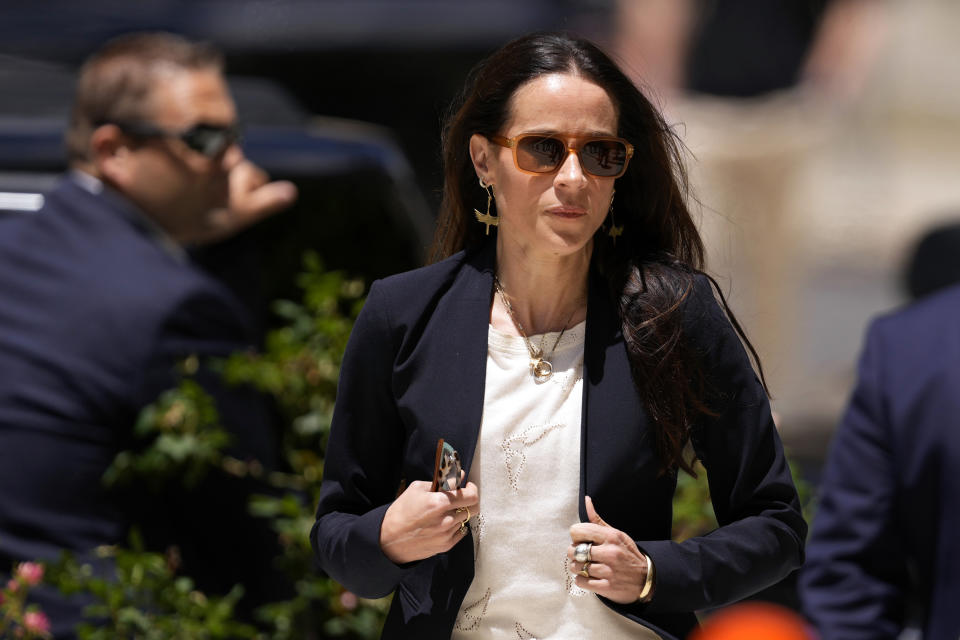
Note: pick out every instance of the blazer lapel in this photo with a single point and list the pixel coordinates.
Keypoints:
(615, 446)
(442, 377)
(476, 281)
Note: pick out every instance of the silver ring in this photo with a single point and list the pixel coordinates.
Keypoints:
(581, 552)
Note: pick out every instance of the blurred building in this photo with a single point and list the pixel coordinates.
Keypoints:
(813, 198)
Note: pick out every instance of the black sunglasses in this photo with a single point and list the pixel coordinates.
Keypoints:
(209, 139)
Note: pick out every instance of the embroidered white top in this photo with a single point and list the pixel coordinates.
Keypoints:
(527, 468)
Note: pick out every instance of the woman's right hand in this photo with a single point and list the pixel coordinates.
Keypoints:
(422, 523)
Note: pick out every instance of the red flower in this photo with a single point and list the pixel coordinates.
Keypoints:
(36, 622)
(30, 572)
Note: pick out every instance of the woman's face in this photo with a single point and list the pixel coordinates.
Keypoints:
(556, 213)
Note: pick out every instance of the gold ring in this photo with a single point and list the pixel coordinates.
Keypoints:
(585, 572)
(461, 510)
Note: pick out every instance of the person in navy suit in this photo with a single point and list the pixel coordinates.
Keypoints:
(101, 301)
(885, 552)
(566, 343)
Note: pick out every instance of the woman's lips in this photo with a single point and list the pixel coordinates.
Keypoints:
(567, 212)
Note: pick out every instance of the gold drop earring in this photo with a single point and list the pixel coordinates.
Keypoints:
(487, 218)
(615, 231)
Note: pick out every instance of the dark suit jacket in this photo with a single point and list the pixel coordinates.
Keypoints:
(414, 371)
(887, 529)
(94, 313)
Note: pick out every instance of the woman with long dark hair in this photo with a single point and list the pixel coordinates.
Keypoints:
(566, 342)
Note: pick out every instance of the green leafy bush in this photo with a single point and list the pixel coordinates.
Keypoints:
(146, 600)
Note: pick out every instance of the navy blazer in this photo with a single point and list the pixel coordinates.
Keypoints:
(414, 371)
(887, 530)
(94, 315)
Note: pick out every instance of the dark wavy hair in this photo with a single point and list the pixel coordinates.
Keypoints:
(652, 267)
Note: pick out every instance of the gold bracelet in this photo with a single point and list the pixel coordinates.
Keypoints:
(648, 584)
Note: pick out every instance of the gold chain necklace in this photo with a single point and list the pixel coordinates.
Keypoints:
(539, 364)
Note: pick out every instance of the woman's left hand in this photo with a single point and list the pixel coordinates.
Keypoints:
(617, 568)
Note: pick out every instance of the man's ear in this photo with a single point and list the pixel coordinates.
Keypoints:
(110, 153)
(482, 156)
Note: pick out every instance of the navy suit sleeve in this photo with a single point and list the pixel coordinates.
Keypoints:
(762, 531)
(852, 585)
(221, 543)
(362, 469)
(207, 324)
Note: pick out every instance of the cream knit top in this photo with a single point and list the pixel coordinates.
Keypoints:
(527, 468)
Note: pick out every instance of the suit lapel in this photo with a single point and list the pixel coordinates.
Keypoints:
(443, 376)
(470, 377)
(614, 447)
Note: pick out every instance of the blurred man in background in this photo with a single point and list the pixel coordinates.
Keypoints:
(885, 552)
(101, 300)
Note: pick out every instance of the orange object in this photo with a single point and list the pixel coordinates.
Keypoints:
(754, 621)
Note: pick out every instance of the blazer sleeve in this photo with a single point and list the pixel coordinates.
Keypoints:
(363, 459)
(761, 534)
(852, 584)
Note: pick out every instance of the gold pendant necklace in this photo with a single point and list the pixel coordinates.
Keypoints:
(540, 366)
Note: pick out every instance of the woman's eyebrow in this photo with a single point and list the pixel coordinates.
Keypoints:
(595, 133)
